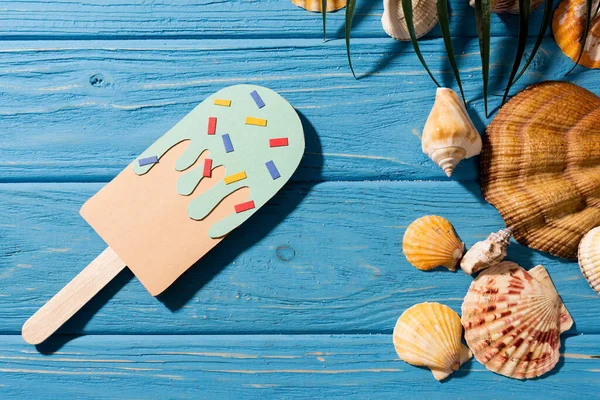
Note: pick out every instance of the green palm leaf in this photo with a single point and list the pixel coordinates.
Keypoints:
(408, 17)
(524, 12)
(350, 6)
(482, 17)
(586, 30)
(324, 14)
(545, 22)
(444, 20)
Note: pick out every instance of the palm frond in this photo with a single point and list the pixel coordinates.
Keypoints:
(444, 20)
(324, 15)
(586, 30)
(408, 17)
(524, 12)
(350, 6)
(540, 38)
(482, 17)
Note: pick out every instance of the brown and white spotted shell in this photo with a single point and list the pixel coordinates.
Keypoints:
(513, 320)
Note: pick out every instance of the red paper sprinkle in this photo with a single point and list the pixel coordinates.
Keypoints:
(207, 168)
(278, 142)
(249, 205)
(212, 125)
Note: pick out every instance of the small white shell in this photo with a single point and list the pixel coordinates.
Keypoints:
(486, 253)
(589, 258)
(394, 24)
(449, 135)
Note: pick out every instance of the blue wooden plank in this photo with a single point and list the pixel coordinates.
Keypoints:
(90, 19)
(318, 259)
(259, 367)
(81, 111)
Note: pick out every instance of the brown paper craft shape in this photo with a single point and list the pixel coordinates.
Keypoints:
(202, 179)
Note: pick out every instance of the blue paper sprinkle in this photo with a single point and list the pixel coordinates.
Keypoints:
(148, 160)
(273, 170)
(227, 143)
(259, 102)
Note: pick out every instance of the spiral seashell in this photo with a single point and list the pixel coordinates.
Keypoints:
(317, 5)
(486, 253)
(449, 136)
(394, 23)
(540, 166)
(589, 258)
(508, 6)
(568, 25)
(430, 242)
(513, 320)
(429, 335)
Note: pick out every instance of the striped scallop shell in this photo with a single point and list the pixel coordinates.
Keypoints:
(589, 258)
(568, 25)
(430, 242)
(424, 18)
(317, 5)
(429, 335)
(513, 320)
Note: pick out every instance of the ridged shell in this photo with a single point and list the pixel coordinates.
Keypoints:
(513, 320)
(430, 242)
(508, 6)
(449, 135)
(486, 253)
(589, 258)
(540, 166)
(568, 25)
(429, 335)
(317, 5)
(394, 24)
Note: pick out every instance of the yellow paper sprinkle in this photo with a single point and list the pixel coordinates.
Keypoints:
(221, 102)
(235, 177)
(256, 121)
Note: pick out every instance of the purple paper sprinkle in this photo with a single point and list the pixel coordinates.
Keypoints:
(259, 102)
(148, 160)
(227, 143)
(273, 170)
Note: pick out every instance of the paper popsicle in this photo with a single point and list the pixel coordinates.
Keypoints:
(206, 176)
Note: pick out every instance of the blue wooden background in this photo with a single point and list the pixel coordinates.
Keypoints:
(301, 301)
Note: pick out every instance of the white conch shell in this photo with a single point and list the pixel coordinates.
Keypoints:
(589, 258)
(394, 24)
(449, 134)
(429, 334)
(513, 320)
(486, 253)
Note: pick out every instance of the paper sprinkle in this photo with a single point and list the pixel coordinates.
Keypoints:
(272, 169)
(212, 125)
(278, 142)
(249, 205)
(221, 102)
(227, 143)
(257, 99)
(256, 121)
(207, 172)
(147, 160)
(235, 177)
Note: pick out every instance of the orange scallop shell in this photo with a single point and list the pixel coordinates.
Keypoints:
(317, 5)
(568, 25)
(540, 166)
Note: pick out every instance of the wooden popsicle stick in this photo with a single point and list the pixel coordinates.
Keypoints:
(72, 297)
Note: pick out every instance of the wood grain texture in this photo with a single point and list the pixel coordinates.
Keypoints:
(81, 111)
(321, 259)
(259, 367)
(249, 19)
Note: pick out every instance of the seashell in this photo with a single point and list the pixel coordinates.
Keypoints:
(424, 18)
(430, 241)
(513, 320)
(508, 6)
(317, 5)
(486, 253)
(568, 25)
(449, 135)
(589, 258)
(540, 166)
(429, 335)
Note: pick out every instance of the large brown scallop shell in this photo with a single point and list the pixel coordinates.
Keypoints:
(540, 166)
(513, 320)
(568, 25)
